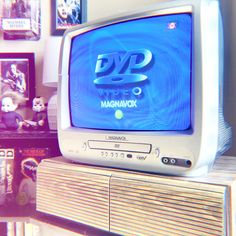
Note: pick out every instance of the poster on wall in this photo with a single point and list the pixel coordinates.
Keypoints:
(20, 19)
(66, 14)
(17, 74)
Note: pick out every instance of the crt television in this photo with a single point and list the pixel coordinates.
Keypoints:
(142, 90)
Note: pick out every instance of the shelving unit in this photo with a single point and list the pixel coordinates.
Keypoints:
(15, 147)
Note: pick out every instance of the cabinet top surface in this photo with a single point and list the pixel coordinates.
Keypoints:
(222, 173)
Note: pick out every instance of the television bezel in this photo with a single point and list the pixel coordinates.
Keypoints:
(201, 141)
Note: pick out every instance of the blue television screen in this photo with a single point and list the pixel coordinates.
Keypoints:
(133, 75)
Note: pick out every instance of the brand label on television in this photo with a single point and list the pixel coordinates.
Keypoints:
(119, 68)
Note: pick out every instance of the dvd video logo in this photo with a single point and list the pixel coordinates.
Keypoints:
(120, 69)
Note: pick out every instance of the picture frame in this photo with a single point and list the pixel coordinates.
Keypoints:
(17, 74)
(66, 14)
(20, 20)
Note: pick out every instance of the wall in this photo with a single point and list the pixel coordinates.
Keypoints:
(229, 14)
(103, 8)
(229, 23)
(33, 46)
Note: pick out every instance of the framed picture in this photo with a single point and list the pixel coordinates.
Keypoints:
(21, 19)
(17, 73)
(67, 13)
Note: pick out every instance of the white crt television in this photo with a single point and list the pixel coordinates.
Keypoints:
(143, 91)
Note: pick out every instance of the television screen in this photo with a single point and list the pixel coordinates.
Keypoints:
(133, 75)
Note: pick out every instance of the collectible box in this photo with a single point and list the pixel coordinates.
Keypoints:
(18, 167)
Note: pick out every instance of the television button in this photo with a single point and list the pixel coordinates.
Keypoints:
(84, 147)
(157, 152)
(129, 155)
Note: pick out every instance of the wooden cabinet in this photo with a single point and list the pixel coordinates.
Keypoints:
(134, 203)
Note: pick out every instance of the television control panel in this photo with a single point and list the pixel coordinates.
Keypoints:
(138, 151)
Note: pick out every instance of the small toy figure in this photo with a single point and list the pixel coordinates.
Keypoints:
(10, 119)
(39, 121)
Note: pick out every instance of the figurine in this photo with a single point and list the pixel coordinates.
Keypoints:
(10, 119)
(39, 121)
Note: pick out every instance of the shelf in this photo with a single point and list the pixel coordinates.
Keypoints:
(48, 222)
(15, 211)
(71, 226)
(21, 134)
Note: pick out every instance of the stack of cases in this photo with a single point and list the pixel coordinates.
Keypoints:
(6, 175)
(18, 169)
